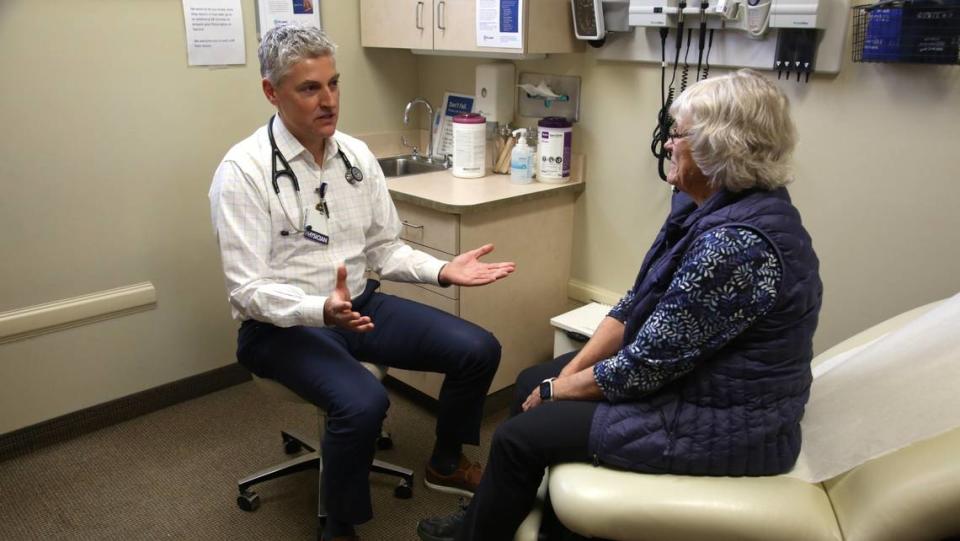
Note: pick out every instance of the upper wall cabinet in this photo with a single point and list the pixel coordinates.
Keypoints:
(450, 25)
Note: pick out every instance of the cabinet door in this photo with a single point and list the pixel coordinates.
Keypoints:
(405, 24)
(455, 27)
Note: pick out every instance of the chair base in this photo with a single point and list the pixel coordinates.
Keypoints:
(248, 500)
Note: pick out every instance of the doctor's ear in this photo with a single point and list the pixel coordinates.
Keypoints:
(269, 91)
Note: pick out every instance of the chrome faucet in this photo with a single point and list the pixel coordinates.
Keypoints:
(406, 120)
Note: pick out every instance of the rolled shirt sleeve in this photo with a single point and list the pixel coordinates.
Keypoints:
(725, 282)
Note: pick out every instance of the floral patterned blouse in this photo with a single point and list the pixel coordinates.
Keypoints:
(725, 282)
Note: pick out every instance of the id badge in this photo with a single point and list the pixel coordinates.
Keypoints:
(317, 227)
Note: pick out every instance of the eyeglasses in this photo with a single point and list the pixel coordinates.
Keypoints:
(673, 136)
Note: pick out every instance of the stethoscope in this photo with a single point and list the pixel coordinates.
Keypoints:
(352, 174)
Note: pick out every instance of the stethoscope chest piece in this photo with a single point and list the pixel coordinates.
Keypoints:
(354, 175)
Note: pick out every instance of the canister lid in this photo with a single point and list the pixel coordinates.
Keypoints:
(554, 122)
(469, 118)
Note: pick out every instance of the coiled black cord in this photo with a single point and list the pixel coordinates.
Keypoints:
(664, 122)
(706, 69)
(686, 65)
(702, 37)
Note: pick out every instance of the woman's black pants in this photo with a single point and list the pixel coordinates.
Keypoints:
(522, 447)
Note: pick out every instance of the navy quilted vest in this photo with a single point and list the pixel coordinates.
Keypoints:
(738, 412)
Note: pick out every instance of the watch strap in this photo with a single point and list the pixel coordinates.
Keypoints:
(546, 390)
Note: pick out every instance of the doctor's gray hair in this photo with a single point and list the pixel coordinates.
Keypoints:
(285, 45)
(741, 134)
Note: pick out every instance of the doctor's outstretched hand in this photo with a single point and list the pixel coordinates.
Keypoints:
(467, 270)
(338, 308)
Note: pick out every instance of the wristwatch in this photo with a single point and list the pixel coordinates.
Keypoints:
(546, 389)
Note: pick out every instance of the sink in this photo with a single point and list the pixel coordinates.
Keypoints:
(398, 166)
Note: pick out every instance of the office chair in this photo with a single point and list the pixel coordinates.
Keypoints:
(293, 443)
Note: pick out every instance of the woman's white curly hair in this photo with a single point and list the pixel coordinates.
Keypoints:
(741, 134)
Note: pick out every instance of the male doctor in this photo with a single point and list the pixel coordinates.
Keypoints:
(300, 211)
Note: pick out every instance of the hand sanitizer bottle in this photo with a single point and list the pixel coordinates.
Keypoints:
(521, 159)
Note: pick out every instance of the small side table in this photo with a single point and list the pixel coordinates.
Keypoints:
(572, 329)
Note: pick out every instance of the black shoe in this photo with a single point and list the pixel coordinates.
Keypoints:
(441, 528)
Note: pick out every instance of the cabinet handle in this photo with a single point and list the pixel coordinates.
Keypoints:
(410, 225)
(441, 12)
(420, 15)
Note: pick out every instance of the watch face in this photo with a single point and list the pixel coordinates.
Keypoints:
(545, 390)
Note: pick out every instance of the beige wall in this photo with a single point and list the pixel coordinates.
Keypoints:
(877, 178)
(109, 144)
(110, 141)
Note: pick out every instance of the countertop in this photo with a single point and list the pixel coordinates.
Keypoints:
(442, 191)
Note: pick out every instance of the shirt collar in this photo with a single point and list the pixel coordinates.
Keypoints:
(291, 147)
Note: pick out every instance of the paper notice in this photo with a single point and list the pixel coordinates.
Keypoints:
(272, 13)
(453, 105)
(500, 23)
(214, 32)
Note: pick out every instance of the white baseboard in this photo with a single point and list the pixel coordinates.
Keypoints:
(67, 313)
(587, 293)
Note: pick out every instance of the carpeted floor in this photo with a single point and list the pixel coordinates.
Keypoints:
(172, 474)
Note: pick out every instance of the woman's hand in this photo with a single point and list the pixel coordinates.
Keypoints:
(578, 386)
(533, 400)
(338, 310)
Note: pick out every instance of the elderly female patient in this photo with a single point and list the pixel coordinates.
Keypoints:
(703, 367)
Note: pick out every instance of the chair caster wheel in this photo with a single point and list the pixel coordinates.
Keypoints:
(403, 491)
(385, 442)
(291, 446)
(248, 501)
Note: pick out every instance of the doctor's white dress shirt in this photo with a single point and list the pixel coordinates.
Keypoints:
(284, 279)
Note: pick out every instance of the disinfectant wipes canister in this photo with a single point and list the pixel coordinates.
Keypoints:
(554, 148)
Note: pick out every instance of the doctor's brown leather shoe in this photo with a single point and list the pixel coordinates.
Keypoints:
(462, 481)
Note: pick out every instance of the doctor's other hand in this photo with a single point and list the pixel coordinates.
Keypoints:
(338, 310)
(467, 270)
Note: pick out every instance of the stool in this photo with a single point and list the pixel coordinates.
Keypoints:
(293, 443)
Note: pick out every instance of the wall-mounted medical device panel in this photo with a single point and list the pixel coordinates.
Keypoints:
(759, 34)
(796, 14)
(729, 14)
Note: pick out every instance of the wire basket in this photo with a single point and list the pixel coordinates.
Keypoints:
(924, 32)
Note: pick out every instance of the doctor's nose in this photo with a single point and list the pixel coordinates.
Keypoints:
(328, 97)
